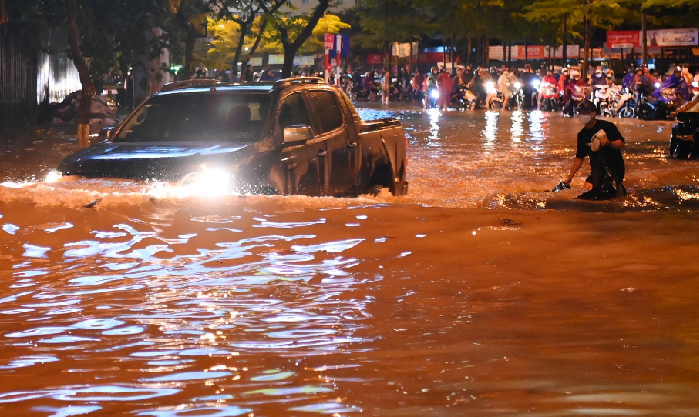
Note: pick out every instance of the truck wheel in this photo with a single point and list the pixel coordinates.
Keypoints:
(382, 177)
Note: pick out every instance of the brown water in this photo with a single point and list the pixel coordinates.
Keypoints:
(477, 294)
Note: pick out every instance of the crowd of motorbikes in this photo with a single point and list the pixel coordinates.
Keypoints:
(530, 92)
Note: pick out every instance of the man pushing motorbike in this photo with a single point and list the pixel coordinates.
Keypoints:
(602, 142)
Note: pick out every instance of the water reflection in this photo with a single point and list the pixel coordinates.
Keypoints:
(301, 306)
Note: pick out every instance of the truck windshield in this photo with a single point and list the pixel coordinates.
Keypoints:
(198, 117)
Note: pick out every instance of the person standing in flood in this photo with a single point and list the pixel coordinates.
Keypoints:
(445, 85)
(602, 142)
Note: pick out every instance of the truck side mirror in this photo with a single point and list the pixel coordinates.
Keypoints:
(297, 133)
(106, 133)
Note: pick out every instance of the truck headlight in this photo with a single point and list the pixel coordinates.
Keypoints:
(209, 182)
(53, 176)
(434, 93)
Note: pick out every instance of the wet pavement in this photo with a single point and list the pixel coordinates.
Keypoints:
(479, 293)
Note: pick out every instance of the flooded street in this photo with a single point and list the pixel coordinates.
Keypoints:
(479, 293)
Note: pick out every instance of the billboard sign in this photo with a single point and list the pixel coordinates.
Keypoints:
(375, 59)
(623, 39)
(673, 37)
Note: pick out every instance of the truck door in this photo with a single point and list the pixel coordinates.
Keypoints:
(306, 162)
(329, 118)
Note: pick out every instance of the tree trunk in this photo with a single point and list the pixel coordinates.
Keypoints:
(417, 57)
(3, 13)
(451, 56)
(526, 51)
(244, 27)
(88, 87)
(644, 40)
(188, 53)
(565, 41)
(290, 48)
(486, 50)
(586, 55)
(289, 54)
(470, 48)
(258, 40)
(444, 52)
(388, 55)
(410, 58)
(509, 54)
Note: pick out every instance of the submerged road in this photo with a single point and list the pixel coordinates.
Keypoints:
(478, 294)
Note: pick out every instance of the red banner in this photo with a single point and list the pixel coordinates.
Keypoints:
(623, 39)
(329, 41)
(375, 59)
(531, 52)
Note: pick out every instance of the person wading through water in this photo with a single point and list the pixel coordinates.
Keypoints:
(602, 142)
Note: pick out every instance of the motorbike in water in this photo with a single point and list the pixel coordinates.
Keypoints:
(494, 99)
(653, 108)
(516, 101)
(577, 94)
(684, 140)
(625, 106)
(549, 98)
(432, 97)
(602, 97)
(464, 98)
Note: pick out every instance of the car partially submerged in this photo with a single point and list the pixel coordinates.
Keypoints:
(295, 136)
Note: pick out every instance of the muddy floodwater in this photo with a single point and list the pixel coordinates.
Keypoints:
(478, 294)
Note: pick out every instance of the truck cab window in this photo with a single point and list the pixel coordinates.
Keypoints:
(294, 112)
(328, 110)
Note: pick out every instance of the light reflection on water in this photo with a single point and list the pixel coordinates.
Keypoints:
(509, 159)
(305, 306)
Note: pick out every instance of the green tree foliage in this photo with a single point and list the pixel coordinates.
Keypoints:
(102, 35)
(293, 32)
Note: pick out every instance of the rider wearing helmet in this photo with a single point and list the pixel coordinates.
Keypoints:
(677, 82)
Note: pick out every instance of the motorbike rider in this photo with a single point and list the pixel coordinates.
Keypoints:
(505, 85)
(548, 87)
(530, 84)
(368, 85)
(628, 78)
(460, 78)
(642, 83)
(599, 83)
(417, 82)
(357, 81)
(430, 83)
(602, 142)
(477, 85)
(575, 90)
(677, 82)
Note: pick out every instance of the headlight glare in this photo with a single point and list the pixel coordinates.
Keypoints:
(53, 176)
(212, 182)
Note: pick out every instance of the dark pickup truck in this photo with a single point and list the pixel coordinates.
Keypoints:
(295, 136)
